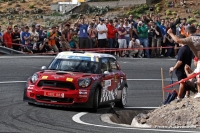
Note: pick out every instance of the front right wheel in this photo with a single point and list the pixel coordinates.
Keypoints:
(123, 101)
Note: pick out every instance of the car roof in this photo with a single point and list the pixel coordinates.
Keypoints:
(65, 55)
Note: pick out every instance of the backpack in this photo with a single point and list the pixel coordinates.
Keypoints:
(170, 97)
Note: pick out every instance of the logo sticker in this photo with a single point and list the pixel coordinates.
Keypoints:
(44, 77)
(69, 79)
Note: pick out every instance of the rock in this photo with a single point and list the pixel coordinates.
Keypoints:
(143, 121)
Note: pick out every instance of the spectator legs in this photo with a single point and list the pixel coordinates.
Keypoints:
(111, 44)
(156, 43)
(84, 43)
(145, 43)
(122, 44)
(55, 48)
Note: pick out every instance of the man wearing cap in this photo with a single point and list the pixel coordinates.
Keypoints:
(51, 36)
(26, 37)
(83, 34)
(143, 36)
(7, 37)
(64, 37)
(102, 34)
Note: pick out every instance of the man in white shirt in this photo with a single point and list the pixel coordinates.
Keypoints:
(102, 34)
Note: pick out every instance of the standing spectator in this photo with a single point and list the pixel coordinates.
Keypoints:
(173, 24)
(111, 35)
(1, 37)
(83, 35)
(58, 35)
(7, 38)
(167, 42)
(102, 34)
(183, 27)
(51, 35)
(137, 48)
(121, 38)
(22, 29)
(143, 36)
(131, 21)
(70, 39)
(92, 35)
(64, 37)
(39, 31)
(16, 38)
(43, 34)
(26, 40)
(76, 29)
(34, 37)
(184, 58)
(156, 40)
(128, 28)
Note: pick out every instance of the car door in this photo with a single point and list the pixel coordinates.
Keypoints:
(107, 83)
(117, 76)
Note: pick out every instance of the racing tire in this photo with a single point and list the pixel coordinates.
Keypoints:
(123, 101)
(31, 104)
(95, 101)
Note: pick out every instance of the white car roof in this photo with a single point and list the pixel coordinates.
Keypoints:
(65, 55)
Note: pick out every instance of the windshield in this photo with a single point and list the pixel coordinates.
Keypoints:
(74, 65)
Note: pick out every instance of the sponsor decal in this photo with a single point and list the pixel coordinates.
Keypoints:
(96, 77)
(107, 83)
(44, 77)
(115, 78)
(69, 79)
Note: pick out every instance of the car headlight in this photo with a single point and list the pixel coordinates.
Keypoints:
(83, 83)
(34, 78)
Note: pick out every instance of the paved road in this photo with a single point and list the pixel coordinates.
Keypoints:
(17, 116)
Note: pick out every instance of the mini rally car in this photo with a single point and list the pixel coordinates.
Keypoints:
(78, 79)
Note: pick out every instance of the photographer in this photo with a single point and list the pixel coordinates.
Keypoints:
(92, 35)
(143, 36)
(167, 42)
(44, 47)
(135, 43)
(156, 39)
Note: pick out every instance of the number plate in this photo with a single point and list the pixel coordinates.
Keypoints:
(54, 94)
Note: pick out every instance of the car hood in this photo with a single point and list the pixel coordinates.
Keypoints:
(62, 75)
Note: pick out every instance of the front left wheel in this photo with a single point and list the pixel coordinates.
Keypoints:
(95, 100)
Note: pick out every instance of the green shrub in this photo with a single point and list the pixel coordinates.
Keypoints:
(158, 9)
(168, 12)
(31, 6)
(191, 20)
(195, 12)
(157, 5)
(174, 13)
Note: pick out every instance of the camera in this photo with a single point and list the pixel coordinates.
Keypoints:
(151, 9)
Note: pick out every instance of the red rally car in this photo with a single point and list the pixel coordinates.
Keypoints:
(78, 79)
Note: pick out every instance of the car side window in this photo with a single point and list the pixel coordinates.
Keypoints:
(105, 65)
(113, 64)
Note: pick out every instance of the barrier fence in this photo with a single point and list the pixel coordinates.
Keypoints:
(100, 49)
(166, 88)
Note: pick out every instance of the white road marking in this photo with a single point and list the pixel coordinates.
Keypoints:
(11, 82)
(26, 56)
(77, 118)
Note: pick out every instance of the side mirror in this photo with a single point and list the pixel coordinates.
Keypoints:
(43, 68)
(106, 72)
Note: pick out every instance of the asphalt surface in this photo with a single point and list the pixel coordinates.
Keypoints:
(17, 116)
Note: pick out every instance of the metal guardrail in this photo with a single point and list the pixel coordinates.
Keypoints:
(5, 50)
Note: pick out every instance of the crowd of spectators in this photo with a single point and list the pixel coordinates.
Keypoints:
(145, 36)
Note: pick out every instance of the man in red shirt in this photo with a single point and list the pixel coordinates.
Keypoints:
(7, 38)
(111, 34)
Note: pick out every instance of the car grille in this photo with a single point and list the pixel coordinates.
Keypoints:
(54, 99)
(56, 84)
